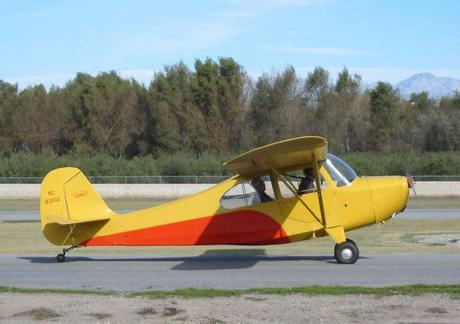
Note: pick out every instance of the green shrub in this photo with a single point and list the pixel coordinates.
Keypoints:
(29, 165)
(440, 163)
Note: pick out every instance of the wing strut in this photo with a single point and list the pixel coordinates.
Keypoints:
(337, 233)
(318, 189)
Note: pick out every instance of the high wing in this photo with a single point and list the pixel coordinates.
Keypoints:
(284, 156)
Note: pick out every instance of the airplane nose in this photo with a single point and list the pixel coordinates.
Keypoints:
(389, 196)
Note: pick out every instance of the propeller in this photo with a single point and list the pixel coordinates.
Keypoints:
(411, 182)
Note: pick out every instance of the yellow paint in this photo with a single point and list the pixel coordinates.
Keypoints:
(337, 233)
(68, 201)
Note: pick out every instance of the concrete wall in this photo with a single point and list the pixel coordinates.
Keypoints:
(437, 188)
(166, 191)
(30, 191)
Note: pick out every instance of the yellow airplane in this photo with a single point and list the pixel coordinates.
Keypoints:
(261, 204)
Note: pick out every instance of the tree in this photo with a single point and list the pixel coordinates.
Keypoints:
(205, 89)
(36, 122)
(348, 85)
(273, 107)
(421, 101)
(177, 122)
(450, 106)
(316, 84)
(101, 117)
(384, 101)
(230, 100)
(261, 112)
(452, 102)
(440, 134)
(347, 122)
(8, 106)
(117, 115)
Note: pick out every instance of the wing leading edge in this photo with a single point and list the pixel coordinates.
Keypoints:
(284, 156)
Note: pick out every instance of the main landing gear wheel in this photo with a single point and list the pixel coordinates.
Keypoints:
(346, 252)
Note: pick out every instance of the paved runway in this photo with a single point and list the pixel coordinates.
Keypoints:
(409, 213)
(133, 273)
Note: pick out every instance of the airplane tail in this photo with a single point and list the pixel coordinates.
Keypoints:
(67, 198)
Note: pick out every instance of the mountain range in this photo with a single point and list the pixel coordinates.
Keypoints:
(435, 86)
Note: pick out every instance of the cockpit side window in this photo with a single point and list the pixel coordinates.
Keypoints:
(246, 194)
(304, 184)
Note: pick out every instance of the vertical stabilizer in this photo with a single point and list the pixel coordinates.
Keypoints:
(68, 198)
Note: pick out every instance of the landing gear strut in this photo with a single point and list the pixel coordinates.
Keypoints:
(346, 252)
(61, 256)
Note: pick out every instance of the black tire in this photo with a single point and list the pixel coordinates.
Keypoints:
(60, 257)
(346, 252)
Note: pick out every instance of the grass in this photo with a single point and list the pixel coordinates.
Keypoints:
(147, 311)
(100, 316)
(39, 314)
(190, 293)
(356, 290)
(414, 290)
(436, 310)
(433, 203)
(4, 289)
(25, 238)
(115, 204)
(19, 204)
(135, 204)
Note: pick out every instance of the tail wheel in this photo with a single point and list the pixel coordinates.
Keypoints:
(60, 257)
(346, 252)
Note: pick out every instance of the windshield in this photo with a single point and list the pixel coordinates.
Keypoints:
(340, 172)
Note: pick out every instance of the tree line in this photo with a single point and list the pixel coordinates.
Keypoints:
(217, 108)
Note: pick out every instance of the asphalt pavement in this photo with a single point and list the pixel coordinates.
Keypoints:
(136, 273)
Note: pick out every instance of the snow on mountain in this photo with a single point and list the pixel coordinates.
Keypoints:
(435, 86)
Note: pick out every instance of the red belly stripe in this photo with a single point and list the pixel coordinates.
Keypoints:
(242, 227)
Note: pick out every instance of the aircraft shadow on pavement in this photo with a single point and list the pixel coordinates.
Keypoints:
(236, 259)
(210, 260)
(49, 259)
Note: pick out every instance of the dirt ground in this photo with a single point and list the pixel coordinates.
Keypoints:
(255, 308)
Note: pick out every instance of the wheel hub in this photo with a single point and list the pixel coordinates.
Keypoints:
(346, 254)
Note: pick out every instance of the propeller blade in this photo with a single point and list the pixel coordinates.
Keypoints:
(411, 182)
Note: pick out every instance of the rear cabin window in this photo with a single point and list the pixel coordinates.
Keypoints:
(243, 195)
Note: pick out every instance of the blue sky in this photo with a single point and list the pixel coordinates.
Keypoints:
(49, 41)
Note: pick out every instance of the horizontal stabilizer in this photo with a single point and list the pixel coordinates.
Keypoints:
(66, 221)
